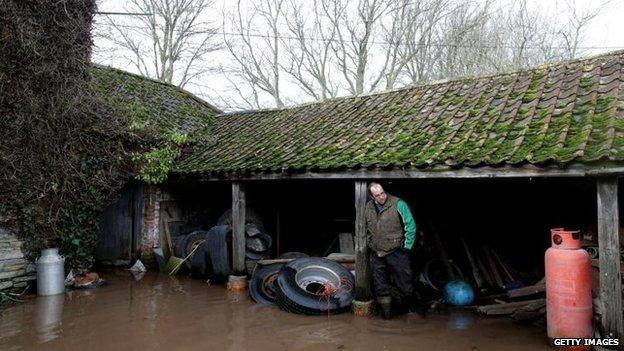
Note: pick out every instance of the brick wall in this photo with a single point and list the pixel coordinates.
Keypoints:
(150, 229)
(15, 271)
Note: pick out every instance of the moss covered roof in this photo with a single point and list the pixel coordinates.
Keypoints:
(155, 106)
(553, 114)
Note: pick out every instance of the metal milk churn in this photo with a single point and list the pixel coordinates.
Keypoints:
(50, 273)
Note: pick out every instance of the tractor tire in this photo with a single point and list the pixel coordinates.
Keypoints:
(262, 287)
(301, 286)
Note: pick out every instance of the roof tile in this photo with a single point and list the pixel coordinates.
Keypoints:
(564, 112)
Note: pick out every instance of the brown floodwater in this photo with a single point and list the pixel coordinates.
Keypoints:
(163, 313)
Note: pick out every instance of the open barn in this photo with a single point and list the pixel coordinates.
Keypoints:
(494, 161)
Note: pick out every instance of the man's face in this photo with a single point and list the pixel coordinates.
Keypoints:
(379, 195)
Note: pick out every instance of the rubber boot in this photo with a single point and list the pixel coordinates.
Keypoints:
(386, 304)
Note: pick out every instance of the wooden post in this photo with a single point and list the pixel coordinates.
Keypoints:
(278, 233)
(362, 270)
(238, 227)
(609, 257)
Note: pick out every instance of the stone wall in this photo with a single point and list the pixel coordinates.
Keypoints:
(15, 271)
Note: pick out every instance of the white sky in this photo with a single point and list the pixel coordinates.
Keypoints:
(605, 33)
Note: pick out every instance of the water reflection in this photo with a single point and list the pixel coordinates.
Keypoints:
(48, 317)
(460, 320)
(164, 313)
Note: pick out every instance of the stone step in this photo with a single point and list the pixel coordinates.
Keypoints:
(12, 274)
(6, 285)
(11, 254)
(13, 264)
(25, 278)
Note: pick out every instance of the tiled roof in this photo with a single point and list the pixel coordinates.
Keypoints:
(158, 107)
(553, 114)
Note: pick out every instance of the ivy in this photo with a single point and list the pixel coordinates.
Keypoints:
(157, 163)
(66, 148)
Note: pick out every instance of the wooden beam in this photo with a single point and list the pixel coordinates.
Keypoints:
(362, 269)
(609, 257)
(238, 227)
(436, 172)
(340, 258)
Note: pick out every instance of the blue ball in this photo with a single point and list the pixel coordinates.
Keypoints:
(458, 293)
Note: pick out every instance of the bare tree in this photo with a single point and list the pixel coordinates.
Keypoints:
(517, 37)
(171, 43)
(460, 40)
(355, 31)
(326, 48)
(578, 20)
(256, 55)
(422, 47)
(393, 38)
(309, 48)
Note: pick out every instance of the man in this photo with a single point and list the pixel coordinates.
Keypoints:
(391, 232)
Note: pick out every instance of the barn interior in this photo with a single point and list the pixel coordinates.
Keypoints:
(509, 218)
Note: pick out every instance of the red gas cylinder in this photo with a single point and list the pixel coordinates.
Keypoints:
(568, 287)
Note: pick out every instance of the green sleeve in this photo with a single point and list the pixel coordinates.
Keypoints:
(408, 222)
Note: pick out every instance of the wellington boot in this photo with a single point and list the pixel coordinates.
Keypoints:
(385, 311)
(385, 303)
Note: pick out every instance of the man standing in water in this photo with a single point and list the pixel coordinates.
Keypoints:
(391, 232)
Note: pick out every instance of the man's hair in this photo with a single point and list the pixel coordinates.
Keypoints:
(374, 185)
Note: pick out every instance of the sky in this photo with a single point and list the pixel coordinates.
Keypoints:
(605, 33)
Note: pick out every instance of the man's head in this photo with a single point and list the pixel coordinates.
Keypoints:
(378, 193)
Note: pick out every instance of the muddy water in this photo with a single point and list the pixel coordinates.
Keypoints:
(163, 313)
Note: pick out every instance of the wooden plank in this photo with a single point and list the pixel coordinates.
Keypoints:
(116, 225)
(609, 257)
(137, 219)
(437, 172)
(336, 258)
(362, 269)
(497, 277)
(503, 266)
(511, 307)
(443, 255)
(238, 227)
(537, 288)
(473, 265)
(483, 269)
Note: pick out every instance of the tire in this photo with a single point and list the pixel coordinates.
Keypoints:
(435, 276)
(262, 288)
(251, 217)
(255, 244)
(218, 252)
(199, 265)
(266, 238)
(254, 256)
(191, 240)
(251, 230)
(293, 254)
(300, 286)
(178, 246)
(250, 266)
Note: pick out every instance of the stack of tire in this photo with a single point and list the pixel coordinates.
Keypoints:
(305, 285)
(257, 242)
(257, 246)
(212, 257)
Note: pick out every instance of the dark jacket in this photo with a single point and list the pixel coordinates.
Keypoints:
(384, 229)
